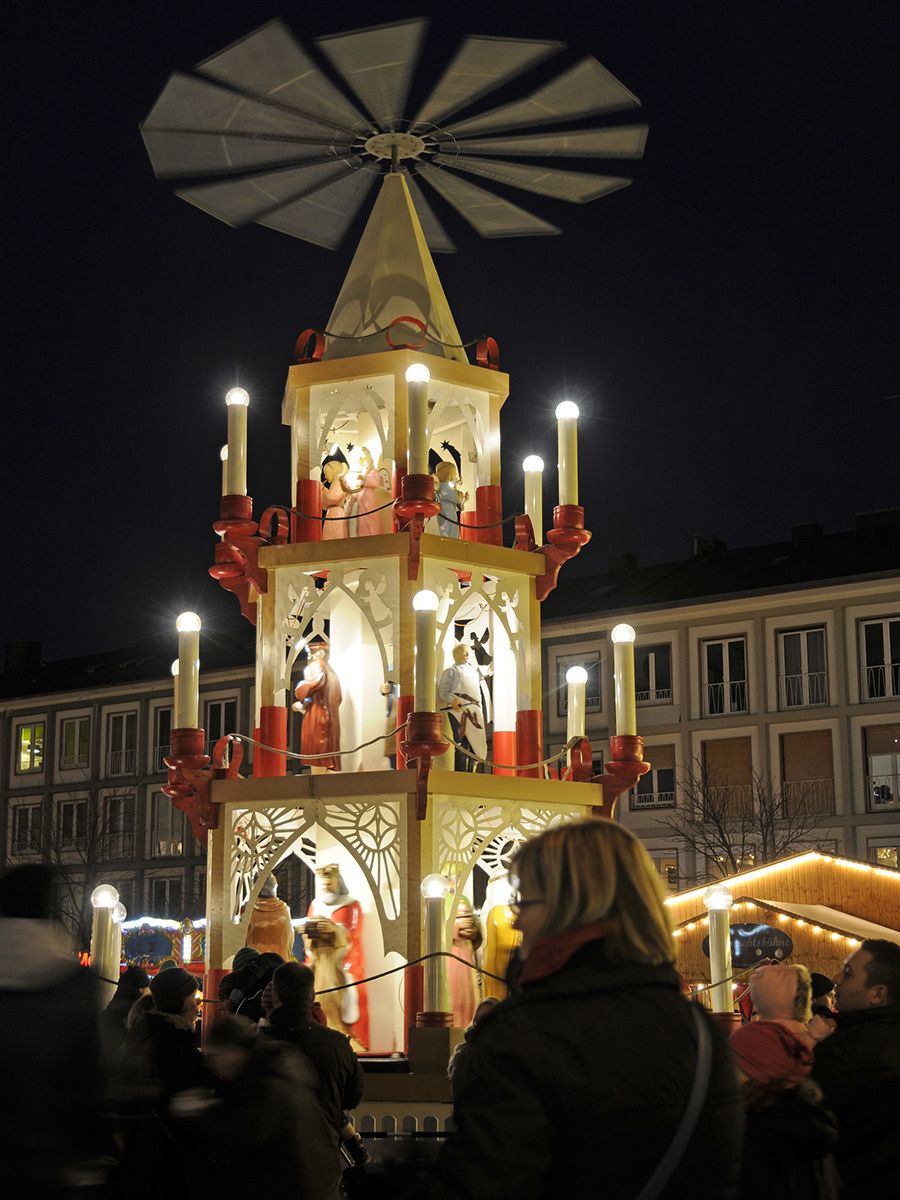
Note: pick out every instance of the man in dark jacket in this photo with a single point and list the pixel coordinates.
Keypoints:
(291, 1020)
(858, 1069)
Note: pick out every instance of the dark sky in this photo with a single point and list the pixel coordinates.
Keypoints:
(728, 324)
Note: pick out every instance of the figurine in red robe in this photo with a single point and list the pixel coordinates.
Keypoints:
(319, 700)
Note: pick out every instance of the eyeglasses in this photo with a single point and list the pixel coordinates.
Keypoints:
(517, 903)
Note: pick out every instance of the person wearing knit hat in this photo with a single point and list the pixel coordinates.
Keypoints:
(243, 956)
(170, 989)
(789, 1136)
(822, 989)
(781, 993)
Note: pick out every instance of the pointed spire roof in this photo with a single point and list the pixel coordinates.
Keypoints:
(392, 275)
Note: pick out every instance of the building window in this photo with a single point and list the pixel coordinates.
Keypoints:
(75, 742)
(29, 748)
(885, 856)
(26, 829)
(119, 826)
(71, 824)
(221, 718)
(165, 895)
(883, 767)
(121, 747)
(880, 652)
(726, 791)
(656, 789)
(802, 682)
(807, 772)
(667, 865)
(163, 732)
(653, 674)
(591, 663)
(167, 829)
(725, 677)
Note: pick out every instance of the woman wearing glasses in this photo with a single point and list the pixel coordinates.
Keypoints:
(579, 1082)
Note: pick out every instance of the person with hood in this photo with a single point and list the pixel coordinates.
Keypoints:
(781, 992)
(49, 1046)
(578, 1083)
(790, 1137)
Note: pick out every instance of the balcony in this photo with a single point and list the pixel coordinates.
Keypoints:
(881, 682)
(652, 800)
(654, 696)
(121, 762)
(726, 698)
(809, 796)
(883, 792)
(69, 761)
(160, 759)
(809, 690)
(119, 845)
(733, 802)
(166, 848)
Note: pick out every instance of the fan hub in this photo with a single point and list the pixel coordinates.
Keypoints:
(399, 145)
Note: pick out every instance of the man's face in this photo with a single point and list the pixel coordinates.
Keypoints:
(329, 884)
(851, 989)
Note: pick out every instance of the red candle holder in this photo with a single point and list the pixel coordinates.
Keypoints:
(424, 740)
(412, 509)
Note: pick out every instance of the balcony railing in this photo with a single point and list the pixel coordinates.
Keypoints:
(884, 793)
(166, 848)
(160, 759)
(26, 846)
(809, 795)
(73, 760)
(732, 801)
(119, 845)
(121, 762)
(808, 690)
(880, 683)
(723, 698)
(653, 799)
(653, 696)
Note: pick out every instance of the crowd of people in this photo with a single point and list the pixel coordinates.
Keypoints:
(595, 1076)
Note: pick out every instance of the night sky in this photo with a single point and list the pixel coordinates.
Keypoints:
(728, 324)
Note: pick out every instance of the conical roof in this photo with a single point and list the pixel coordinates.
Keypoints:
(392, 275)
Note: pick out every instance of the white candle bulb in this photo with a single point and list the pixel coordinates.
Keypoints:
(576, 679)
(417, 378)
(567, 435)
(187, 679)
(425, 605)
(236, 462)
(623, 650)
(533, 468)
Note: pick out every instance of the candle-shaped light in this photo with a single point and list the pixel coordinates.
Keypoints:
(576, 679)
(417, 377)
(533, 467)
(236, 462)
(425, 604)
(187, 680)
(623, 653)
(104, 899)
(718, 900)
(223, 454)
(435, 890)
(567, 435)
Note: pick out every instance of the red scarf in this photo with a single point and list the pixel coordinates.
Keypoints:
(551, 953)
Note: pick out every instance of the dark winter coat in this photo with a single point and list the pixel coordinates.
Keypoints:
(268, 1135)
(575, 1086)
(340, 1075)
(114, 1016)
(858, 1069)
(788, 1149)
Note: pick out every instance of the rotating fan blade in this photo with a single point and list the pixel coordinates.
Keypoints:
(435, 235)
(489, 215)
(481, 65)
(587, 90)
(241, 201)
(324, 216)
(562, 185)
(270, 64)
(622, 141)
(378, 64)
(200, 128)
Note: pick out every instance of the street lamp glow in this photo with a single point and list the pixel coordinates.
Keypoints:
(104, 896)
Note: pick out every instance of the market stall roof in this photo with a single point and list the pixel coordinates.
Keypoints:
(830, 919)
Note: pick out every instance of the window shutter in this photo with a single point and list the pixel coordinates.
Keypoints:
(807, 755)
(883, 739)
(727, 761)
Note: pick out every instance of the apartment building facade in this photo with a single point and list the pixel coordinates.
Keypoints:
(777, 663)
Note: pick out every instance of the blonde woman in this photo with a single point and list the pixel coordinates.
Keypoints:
(577, 1084)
